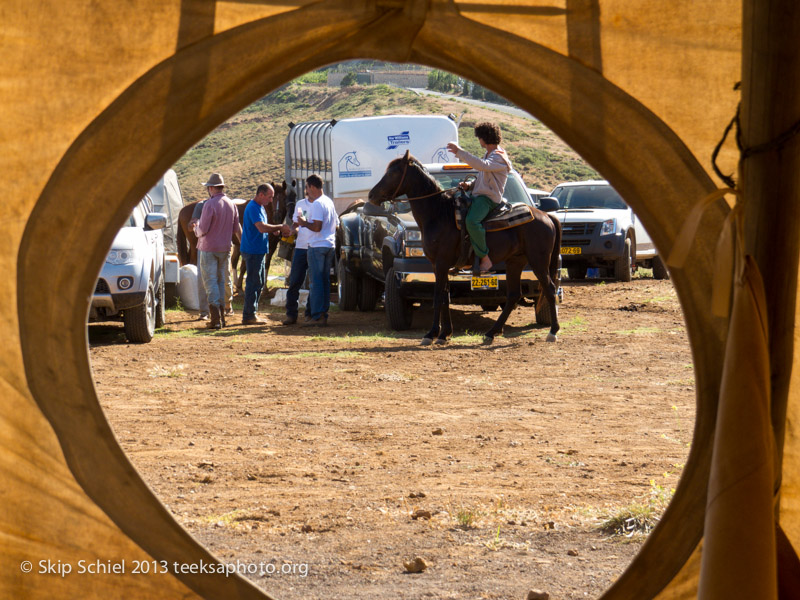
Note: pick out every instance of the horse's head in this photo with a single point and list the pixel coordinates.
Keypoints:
(399, 178)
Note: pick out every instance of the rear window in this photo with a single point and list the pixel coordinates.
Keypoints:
(589, 196)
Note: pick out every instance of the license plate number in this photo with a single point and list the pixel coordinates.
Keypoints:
(570, 250)
(484, 283)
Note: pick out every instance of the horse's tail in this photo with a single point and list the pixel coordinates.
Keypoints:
(556, 248)
(183, 245)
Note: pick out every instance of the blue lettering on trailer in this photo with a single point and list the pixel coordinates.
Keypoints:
(397, 140)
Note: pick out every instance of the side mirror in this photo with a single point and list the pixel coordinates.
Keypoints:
(549, 204)
(155, 221)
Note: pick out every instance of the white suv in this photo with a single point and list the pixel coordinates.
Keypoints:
(131, 282)
(598, 229)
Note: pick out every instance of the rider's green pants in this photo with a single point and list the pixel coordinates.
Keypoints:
(481, 206)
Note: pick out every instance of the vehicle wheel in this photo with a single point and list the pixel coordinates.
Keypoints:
(398, 310)
(659, 269)
(368, 293)
(140, 321)
(578, 272)
(160, 306)
(542, 311)
(347, 287)
(170, 295)
(622, 266)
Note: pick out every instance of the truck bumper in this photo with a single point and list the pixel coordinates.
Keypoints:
(597, 250)
(416, 283)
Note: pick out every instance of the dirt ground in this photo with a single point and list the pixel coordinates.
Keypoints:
(305, 453)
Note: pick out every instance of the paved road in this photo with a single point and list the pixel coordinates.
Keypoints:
(512, 110)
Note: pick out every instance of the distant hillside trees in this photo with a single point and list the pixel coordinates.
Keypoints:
(448, 83)
(442, 81)
(349, 79)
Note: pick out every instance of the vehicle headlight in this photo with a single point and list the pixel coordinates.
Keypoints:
(413, 235)
(608, 227)
(121, 257)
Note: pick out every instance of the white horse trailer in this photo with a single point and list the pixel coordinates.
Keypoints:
(167, 199)
(351, 155)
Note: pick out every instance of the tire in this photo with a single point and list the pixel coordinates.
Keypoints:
(368, 293)
(160, 304)
(398, 310)
(140, 321)
(170, 295)
(542, 311)
(578, 272)
(622, 266)
(659, 269)
(347, 287)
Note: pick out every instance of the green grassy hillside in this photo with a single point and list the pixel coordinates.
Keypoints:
(248, 148)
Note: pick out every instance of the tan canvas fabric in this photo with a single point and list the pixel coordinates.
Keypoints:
(98, 98)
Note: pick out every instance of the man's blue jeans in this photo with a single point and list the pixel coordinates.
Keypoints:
(320, 262)
(296, 277)
(213, 267)
(254, 283)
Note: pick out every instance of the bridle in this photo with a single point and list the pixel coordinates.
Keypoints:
(393, 198)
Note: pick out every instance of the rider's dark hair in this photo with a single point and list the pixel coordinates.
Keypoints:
(314, 180)
(263, 188)
(488, 132)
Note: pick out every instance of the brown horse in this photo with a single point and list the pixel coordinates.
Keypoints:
(537, 243)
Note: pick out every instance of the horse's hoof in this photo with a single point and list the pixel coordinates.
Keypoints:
(441, 341)
(487, 340)
(426, 341)
(551, 337)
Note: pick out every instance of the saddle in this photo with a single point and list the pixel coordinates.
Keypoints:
(502, 216)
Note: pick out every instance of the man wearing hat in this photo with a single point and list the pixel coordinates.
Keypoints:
(217, 225)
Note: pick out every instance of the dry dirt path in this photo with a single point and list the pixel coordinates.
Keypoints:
(309, 451)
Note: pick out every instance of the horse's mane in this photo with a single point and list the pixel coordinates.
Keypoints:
(448, 195)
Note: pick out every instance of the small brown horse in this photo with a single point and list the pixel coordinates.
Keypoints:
(537, 243)
(281, 206)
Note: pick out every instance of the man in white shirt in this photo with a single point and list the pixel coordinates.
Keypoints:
(299, 263)
(322, 221)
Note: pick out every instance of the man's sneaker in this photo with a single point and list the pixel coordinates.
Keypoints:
(203, 316)
(289, 321)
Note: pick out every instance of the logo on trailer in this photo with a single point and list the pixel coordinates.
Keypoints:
(440, 156)
(398, 140)
(349, 166)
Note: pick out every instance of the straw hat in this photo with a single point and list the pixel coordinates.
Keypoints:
(214, 181)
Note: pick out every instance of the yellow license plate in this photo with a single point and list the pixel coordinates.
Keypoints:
(570, 250)
(484, 283)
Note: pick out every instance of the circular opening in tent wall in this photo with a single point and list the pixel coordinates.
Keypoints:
(325, 460)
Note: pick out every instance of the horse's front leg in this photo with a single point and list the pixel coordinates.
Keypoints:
(441, 295)
(444, 311)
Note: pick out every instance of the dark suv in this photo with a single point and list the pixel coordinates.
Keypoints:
(379, 249)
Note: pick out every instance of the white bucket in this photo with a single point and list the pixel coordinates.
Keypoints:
(187, 288)
(279, 299)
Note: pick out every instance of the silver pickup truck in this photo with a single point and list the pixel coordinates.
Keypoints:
(599, 230)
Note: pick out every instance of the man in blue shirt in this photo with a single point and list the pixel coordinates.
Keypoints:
(254, 246)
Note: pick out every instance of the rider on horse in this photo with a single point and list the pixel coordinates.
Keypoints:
(487, 187)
